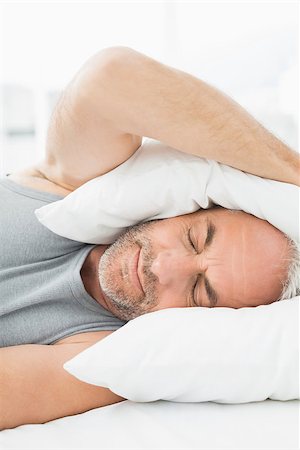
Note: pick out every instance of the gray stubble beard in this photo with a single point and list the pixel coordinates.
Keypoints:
(124, 306)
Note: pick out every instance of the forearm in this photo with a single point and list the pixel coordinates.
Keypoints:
(34, 387)
(147, 98)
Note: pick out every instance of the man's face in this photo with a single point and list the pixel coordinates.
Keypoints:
(208, 258)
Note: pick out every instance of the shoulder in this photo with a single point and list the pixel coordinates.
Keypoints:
(85, 338)
(33, 177)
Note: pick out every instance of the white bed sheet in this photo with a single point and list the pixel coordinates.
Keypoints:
(166, 425)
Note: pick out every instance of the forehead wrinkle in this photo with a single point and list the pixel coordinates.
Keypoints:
(285, 256)
(243, 256)
(238, 259)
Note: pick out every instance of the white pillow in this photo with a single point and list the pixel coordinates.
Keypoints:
(158, 182)
(222, 355)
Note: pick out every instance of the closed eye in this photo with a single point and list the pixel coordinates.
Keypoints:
(210, 232)
(195, 285)
(190, 240)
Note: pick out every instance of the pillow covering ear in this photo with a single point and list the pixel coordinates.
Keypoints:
(185, 354)
(199, 354)
(158, 182)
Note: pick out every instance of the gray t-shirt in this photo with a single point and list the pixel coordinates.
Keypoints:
(42, 296)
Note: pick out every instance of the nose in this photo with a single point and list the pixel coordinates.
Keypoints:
(174, 267)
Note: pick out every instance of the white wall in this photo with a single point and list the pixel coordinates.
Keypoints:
(247, 49)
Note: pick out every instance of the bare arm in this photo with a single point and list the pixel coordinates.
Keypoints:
(124, 92)
(34, 387)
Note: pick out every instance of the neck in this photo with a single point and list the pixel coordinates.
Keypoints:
(90, 278)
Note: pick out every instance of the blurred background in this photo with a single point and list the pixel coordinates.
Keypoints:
(247, 49)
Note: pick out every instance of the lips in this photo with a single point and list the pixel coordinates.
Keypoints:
(134, 270)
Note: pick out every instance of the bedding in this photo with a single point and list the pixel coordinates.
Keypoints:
(199, 354)
(98, 212)
(161, 425)
(158, 182)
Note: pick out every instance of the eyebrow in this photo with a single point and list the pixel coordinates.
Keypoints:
(211, 293)
(211, 230)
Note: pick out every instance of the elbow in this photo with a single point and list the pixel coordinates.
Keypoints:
(104, 72)
(111, 61)
(100, 71)
(116, 51)
(111, 58)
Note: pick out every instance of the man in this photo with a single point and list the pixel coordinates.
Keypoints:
(60, 292)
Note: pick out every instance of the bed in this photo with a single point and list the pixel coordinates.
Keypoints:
(166, 425)
(160, 424)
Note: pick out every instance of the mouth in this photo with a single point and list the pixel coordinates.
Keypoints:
(134, 266)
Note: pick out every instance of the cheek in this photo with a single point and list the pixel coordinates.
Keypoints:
(163, 238)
